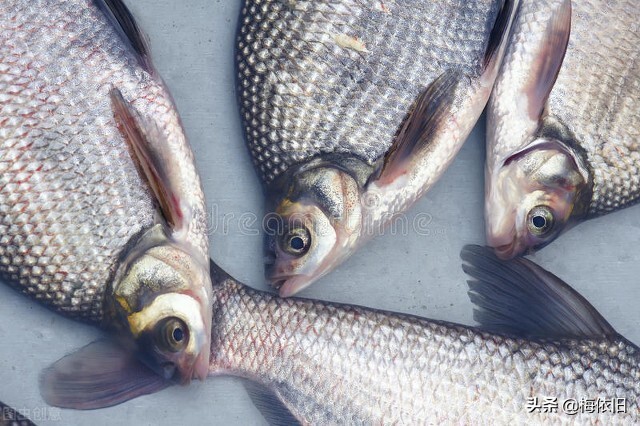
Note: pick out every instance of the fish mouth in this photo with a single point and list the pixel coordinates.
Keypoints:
(189, 369)
(504, 248)
(288, 286)
(505, 251)
(201, 366)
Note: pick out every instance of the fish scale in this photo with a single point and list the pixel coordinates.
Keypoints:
(71, 197)
(342, 364)
(313, 78)
(563, 122)
(102, 214)
(597, 94)
(352, 110)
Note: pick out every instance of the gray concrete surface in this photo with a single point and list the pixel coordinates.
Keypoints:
(192, 44)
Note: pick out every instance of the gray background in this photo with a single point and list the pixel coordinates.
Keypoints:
(192, 45)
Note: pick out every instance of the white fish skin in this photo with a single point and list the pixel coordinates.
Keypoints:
(102, 214)
(353, 110)
(563, 121)
(326, 363)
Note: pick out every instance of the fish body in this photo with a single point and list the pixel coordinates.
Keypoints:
(563, 122)
(336, 364)
(352, 110)
(101, 207)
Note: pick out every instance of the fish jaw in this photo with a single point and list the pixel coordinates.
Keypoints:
(501, 230)
(294, 284)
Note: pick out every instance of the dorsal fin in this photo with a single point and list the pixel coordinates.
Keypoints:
(124, 22)
(519, 298)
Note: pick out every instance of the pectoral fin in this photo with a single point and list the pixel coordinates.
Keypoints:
(549, 58)
(101, 374)
(500, 33)
(270, 406)
(519, 298)
(123, 21)
(430, 113)
(149, 147)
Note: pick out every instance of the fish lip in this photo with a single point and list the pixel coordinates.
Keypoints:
(197, 369)
(289, 285)
(201, 367)
(294, 285)
(278, 284)
(505, 251)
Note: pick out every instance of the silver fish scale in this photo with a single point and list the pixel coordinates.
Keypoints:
(70, 195)
(335, 364)
(597, 95)
(319, 77)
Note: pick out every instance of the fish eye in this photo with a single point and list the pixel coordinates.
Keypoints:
(296, 241)
(172, 335)
(540, 220)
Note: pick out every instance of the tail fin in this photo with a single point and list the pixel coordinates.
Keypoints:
(519, 298)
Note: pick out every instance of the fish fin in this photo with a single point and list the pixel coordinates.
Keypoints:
(11, 417)
(431, 109)
(101, 374)
(147, 142)
(553, 48)
(124, 22)
(270, 406)
(500, 32)
(520, 298)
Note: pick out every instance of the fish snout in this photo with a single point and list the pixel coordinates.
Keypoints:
(502, 236)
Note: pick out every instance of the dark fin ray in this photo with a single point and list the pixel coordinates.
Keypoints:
(126, 25)
(519, 298)
(11, 417)
(146, 142)
(269, 405)
(550, 59)
(101, 374)
(431, 110)
(500, 32)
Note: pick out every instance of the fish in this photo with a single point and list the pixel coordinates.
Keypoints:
(314, 362)
(352, 110)
(563, 123)
(10, 417)
(102, 214)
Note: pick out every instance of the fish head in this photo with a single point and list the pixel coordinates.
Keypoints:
(532, 197)
(162, 306)
(312, 228)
